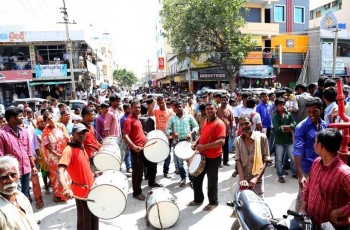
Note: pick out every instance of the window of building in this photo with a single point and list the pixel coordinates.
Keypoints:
(299, 14)
(340, 5)
(318, 13)
(280, 13)
(311, 14)
(343, 50)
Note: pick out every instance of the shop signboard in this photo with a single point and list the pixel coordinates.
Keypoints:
(15, 75)
(255, 71)
(211, 75)
(12, 36)
(327, 66)
(161, 63)
(59, 70)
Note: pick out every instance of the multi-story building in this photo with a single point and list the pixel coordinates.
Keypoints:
(321, 41)
(35, 63)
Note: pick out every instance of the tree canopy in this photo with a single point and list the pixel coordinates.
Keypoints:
(208, 26)
(124, 77)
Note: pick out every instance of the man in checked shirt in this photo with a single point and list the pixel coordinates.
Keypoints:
(326, 194)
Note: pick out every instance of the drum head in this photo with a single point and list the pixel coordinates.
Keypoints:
(183, 150)
(168, 214)
(158, 151)
(110, 201)
(106, 160)
(194, 164)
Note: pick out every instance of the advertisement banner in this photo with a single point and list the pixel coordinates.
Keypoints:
(327, 66)
(12, 37)
(59, 70)
(16, 75)
(161, 63)
(255, 70)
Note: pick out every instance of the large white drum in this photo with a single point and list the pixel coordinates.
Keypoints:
(109, 155)
(196, 165)
(183, 150)
(109, 193)
(162, 211)
(157, 146)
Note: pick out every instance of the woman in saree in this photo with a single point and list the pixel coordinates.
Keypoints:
(54, 139)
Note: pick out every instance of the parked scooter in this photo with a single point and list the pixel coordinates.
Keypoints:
(253, 213)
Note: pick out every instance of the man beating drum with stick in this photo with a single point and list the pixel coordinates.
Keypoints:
(209, 143)
(75, 160)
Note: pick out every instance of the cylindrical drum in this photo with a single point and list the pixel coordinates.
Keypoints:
(109, 155)
(183, 150)
(109, 193)
(157, 146)
(162, 211)
(196, 165)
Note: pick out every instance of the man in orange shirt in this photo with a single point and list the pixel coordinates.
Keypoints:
(91, 144)
(209, 143)
(75, 160)
(162, 116)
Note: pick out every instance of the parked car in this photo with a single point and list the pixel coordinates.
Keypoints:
(73, 104)
(256, 91)
(32, 102)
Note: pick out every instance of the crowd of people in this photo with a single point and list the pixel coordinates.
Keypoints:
(285, 128)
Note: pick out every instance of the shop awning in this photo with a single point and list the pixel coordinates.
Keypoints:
(49, 83)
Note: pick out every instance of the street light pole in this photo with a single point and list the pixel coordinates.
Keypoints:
(188, 50)
(69, 48)
(335, 48)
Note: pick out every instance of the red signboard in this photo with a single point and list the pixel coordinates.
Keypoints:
(161, 63)
(15, 75)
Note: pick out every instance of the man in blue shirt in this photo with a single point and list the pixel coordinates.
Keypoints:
(264, 109)
(304, 140)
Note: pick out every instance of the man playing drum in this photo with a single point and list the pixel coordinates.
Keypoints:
(75, 160)
(179, 126)
(162, 116)
(209, 143)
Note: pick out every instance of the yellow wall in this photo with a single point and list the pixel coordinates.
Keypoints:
(254, 58)
(300, 43)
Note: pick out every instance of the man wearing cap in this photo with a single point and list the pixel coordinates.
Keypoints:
(75, 161)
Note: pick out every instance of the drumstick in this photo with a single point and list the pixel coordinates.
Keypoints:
(83, 199)
(150, 144)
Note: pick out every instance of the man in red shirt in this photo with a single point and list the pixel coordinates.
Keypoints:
(91, 144)
(209, 143)
(326, 194)
(136, 139)
(75, 160)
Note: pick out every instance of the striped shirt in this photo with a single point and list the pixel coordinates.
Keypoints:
(327, 188)
(182, 126)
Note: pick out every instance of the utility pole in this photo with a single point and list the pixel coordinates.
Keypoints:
(69, 48)
(149, 71)
(335, 46)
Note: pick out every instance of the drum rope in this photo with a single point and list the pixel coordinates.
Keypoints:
(160, 222)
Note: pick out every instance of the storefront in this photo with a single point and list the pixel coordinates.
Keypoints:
(211, 78)
(256, 76)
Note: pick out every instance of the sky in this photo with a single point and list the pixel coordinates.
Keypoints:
(130, 22)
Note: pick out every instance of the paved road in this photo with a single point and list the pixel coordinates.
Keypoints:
(280, 197)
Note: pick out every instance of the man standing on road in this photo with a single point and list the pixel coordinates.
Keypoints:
(75, 160)
(252, 156)
(209, 143)
(112, 120)
(304, 140)
(15, 209)
(14, 141)
(326, 193)
(298, 108)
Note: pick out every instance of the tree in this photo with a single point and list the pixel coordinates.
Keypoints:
(208, 26)
(124, 77)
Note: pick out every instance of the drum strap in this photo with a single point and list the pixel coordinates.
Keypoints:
(81, 185)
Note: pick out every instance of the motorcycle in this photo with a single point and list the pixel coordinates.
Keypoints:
(253, 213)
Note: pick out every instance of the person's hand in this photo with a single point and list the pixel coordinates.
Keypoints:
(68, 193)
(244, 184)
(200, 147)
(287, 129)
(253, 182)
(137, 149)
(176, 135)
(338, 218)
(303, 211)
(301, 181)
(188, 137)
(194, 146)
(34, 171)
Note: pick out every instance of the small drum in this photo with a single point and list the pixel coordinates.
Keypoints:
(196, 165)
(157, 146)
(183, 150)
(109, 192)
(162, 211)
(109, 155)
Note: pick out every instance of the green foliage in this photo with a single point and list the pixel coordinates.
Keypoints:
(124, 77)
(207, 26)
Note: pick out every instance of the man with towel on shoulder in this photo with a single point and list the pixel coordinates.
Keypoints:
(252, 156)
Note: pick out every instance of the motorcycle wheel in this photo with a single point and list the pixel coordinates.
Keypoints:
(236, 225)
